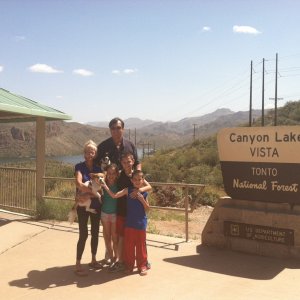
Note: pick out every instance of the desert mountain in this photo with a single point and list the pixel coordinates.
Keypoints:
(131, 123)
(68, 138)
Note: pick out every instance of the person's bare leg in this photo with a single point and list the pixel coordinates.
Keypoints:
(114, 238)
(79, 270)
(107, 238)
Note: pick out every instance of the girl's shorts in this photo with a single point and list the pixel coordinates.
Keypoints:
(108, 217)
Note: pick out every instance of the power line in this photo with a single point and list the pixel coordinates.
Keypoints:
(237, 89)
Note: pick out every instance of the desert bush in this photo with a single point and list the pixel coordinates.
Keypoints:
(167, 197)
(209, 198)
(49, 209)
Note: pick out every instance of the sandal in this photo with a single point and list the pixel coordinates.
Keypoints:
(96, 265)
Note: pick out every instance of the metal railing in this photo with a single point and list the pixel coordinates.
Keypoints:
(184, 186)
(18, 192)
(18, 189)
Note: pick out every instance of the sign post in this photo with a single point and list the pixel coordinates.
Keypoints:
(261, 175)
(261, 164)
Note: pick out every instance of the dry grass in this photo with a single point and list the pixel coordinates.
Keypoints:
(176, 228)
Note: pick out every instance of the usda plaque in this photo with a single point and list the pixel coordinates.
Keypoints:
(259, 233)
(261, 163)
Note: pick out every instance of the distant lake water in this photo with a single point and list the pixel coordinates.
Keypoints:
(73, 159)
(70, 159)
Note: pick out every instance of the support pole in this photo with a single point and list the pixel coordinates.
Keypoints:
(263, 96)
(186, 207)
(276, 75)
(250, 107)
(40, 158)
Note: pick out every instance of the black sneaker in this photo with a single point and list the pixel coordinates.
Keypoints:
(105, 262)
(117, 267)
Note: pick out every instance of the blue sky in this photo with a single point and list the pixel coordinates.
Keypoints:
(158, 60)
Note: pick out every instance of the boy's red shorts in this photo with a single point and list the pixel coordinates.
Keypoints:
(120, 225)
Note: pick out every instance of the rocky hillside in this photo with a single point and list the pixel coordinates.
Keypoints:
(131, 123)
(172, 134)
(68, 138)
(62, 138)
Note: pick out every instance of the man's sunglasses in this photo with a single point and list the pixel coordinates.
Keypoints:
(116, 128)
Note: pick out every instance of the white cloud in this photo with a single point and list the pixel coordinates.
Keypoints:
(206, 29)
(59, 97)
(43, 68)
(125, 71)
(19, 38)
(245, 29)
(116, 72)
(129, 71)
(1, 68)
(83, 72)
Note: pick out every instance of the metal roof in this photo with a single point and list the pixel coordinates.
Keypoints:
(18, 108)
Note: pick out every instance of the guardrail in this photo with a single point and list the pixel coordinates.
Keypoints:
(18, 192)
(185, 186)
(18, 189)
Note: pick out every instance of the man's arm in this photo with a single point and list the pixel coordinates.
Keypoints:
(146, 188)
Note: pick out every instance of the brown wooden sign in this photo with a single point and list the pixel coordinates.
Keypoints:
(259, 233)
(261, 163)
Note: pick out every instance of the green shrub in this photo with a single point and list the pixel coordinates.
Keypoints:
(54, 209)
(209, 198)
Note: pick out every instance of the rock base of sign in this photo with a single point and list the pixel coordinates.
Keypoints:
(262, 228)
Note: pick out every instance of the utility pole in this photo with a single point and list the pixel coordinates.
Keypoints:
(263, 96)
(143, 144)
(149, 148)
(275, 117)
(275, 114)
(129, 134)
(194, 135)
(250, 108)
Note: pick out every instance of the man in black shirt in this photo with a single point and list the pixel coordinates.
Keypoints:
(116, 145)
